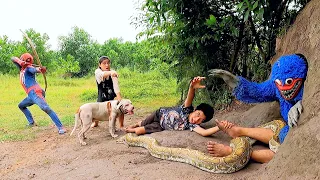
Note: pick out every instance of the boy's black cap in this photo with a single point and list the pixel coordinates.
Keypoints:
(207, 111)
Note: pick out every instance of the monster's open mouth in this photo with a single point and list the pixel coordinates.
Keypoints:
(290, 91)
(289, 94)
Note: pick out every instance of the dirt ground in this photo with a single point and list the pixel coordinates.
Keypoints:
(53, 156)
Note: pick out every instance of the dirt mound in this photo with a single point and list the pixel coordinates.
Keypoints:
(298, 155)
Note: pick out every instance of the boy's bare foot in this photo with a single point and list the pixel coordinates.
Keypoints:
(233, 131)
(130, 129)
(95, 124)
(135, 125)
(218, 150)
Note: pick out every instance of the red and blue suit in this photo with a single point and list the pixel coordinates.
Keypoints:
(36, 95)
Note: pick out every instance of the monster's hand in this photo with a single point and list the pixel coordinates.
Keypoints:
(294, 114)
(228, 77)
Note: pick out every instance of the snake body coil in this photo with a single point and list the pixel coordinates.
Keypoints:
(241, 150)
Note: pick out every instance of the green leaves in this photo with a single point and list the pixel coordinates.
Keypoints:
(246, 16)
(250, 6)
(10, 48)
(235, 31)
(211, 21)
(255, 5)
(82, 48)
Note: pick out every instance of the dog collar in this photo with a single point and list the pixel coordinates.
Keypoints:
(121, 109)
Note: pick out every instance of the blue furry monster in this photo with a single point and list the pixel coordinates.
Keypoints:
(285, 85)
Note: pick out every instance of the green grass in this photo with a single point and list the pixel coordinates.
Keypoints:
(148, 91)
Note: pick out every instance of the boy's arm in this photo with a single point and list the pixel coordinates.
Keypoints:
(206, 132)
(190, 96)
(194, 84)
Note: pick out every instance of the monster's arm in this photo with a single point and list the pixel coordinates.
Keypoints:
(246, 91)
(252, 92)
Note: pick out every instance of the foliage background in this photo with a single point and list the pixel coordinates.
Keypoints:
(65, 96)
(181, 39)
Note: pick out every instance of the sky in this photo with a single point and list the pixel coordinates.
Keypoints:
(102, 19)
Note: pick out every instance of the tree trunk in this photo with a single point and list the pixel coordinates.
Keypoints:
(237, 48)
(257, 39)
(244, 60)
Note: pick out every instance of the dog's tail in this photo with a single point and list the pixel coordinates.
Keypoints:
(76, 120)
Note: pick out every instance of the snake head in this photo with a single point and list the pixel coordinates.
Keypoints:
(122, 140)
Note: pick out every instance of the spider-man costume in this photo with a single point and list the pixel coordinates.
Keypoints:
(35, 94)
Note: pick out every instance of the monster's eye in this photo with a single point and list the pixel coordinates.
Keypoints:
(289, 81)
(278, 82)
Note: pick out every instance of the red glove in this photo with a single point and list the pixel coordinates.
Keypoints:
(43, 69)
(18, 61)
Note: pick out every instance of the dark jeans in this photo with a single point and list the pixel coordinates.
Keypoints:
(152, 123)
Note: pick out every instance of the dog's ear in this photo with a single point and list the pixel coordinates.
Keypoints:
(129, 101)
(109, 107)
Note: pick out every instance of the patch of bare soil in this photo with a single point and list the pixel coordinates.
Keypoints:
(53, 156)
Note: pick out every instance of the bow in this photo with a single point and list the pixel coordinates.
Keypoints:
(37, 57)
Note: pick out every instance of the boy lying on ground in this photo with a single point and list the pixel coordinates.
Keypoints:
(182, 117)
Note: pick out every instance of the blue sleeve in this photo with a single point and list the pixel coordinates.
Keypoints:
(252, 92)
(32, 70)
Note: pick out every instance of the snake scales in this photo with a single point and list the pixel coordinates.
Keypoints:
(241, 150)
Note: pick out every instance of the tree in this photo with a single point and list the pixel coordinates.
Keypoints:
(82, 48)
(214, 34)
(9, 49)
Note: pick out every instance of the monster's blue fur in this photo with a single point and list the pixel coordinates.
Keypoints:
(288, 66)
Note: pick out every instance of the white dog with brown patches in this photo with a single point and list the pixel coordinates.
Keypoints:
(101, 111)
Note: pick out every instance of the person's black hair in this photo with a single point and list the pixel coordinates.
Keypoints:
(102, 58)
(207, 111)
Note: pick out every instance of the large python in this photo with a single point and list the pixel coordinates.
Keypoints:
(241, 150)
